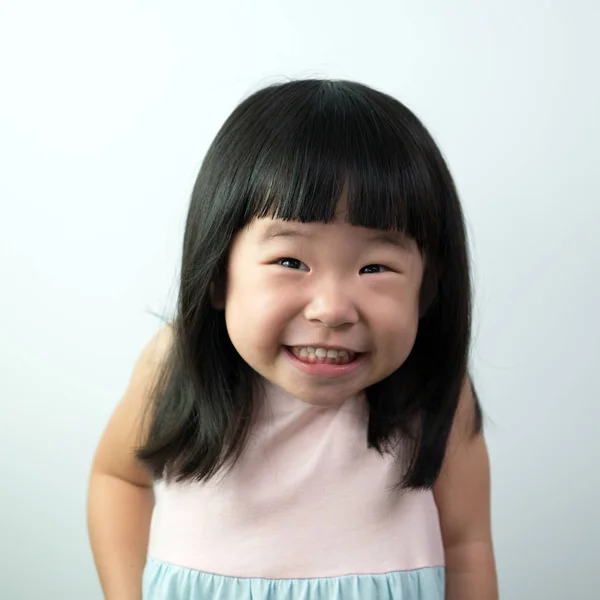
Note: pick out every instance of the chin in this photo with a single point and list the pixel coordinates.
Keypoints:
(322, 402)
(320, 397)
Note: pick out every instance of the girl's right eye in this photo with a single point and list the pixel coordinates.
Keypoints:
(292, 263)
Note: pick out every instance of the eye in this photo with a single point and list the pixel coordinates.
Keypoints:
(292, 263)
(369, 269)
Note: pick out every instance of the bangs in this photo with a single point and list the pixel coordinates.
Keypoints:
(321, 141)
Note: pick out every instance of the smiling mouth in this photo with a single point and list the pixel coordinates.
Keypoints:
(323, 356)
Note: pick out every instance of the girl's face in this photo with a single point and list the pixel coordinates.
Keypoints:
(296, 290)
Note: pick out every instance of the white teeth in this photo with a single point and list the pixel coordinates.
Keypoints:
(311, 352)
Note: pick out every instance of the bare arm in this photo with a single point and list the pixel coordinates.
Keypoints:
(120, 495)
(462, 494)
(118, 523)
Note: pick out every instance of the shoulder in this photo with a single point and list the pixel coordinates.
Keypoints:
(148, 366)
(127, 426)
(157, 348)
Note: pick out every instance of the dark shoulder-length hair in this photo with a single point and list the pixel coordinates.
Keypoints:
(287, 151)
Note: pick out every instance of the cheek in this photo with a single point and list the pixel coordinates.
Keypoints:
(397, 322)
(256, 313)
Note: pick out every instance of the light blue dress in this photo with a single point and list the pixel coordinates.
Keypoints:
(163, 581)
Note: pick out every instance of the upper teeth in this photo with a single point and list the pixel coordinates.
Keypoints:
(323, 352)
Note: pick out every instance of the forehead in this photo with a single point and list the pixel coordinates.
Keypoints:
(268, 230)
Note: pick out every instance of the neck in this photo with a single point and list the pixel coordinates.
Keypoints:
(276, 399)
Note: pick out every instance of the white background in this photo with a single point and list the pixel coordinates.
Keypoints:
(106, 111)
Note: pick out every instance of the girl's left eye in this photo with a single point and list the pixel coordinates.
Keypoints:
(292, 263)
(369, 269)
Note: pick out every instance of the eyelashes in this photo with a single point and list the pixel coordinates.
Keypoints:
(382, 267)
(297, 265)
(292, 263)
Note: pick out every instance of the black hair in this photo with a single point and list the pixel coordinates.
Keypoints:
(287, 151)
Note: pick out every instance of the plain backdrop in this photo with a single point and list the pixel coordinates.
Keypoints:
(106, 111)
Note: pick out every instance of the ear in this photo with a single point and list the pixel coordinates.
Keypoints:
(217, 293)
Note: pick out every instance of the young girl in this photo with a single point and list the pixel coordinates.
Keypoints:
(307, 419)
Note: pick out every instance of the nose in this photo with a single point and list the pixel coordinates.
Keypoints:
(332, 306)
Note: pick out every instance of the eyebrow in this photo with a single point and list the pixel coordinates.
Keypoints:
(275, 230)
(383, 238)
(390, 238)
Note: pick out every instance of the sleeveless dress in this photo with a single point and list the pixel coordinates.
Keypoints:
(307, 513)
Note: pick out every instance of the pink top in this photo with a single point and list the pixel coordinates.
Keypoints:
(306, 499)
